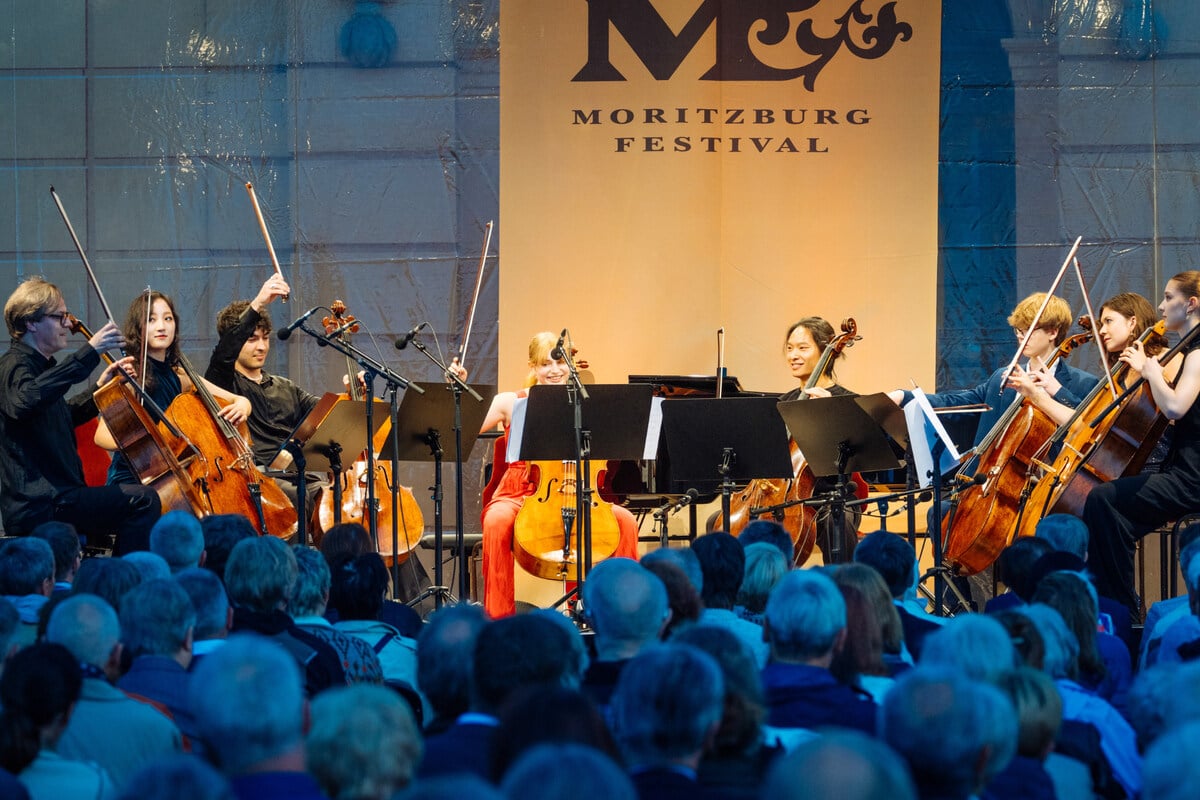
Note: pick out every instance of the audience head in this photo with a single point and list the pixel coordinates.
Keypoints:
(26, 567)
(38, 689)
(974, 644)
(209, 600)
(1014, 567)
(955, 733)
(554, 771)
(1065, 532)
(868, 581)
(1184, 705)
(313, 581)
(177, 777)
(683, 557)
(151, 566)
(682, 596)
(260, 715)
(862, 646)
(892, 556)
(445, 654)
(359, 586)
(513, 652)
(765, 567)
(88, 627)
(1061, 658)
(260, 574)
(344, 542)
(1025, 637)
(667, 706)
(1074, 598)
(840, 765)
(626, 606)
(722, 563)
(64, 543)
(806, 617)
(537, 715)
(1039, 710)
(771, 532)
(179, 539)
(744, 709)
(107, 578)
(157, 619)
(1171, 769)
(362, 743)
(1148, 700)
(221, 533)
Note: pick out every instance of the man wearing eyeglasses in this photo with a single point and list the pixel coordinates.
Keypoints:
(41, 476)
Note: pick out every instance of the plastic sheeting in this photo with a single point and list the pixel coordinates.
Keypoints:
(1061, 118)
(369, 131)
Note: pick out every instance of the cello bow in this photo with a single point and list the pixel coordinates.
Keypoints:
(466, 336)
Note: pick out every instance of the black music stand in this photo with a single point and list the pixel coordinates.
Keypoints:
(422, 420)
(845, 434)
(715, 445)
(611, 423)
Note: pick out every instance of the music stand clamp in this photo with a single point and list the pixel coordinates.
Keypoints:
(841, 435)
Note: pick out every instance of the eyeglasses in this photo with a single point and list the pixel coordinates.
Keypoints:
(64, 318)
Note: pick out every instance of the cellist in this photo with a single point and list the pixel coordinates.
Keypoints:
(806, 341)
(1121, 512)
(500, 514)
(278, 404)
(41, 476)
(156, 329)
(1063, 383)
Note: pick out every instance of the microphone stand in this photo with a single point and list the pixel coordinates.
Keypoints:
(372, 369)
(583, 484)
(458, 386)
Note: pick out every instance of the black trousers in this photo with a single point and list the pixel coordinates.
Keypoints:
(128, 509)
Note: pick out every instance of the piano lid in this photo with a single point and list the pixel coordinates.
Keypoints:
(696, 386)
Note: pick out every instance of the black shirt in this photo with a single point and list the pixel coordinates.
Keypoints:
(277, 405)
(38, 459)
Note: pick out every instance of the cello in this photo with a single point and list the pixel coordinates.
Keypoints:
(1099, 443)
(798, 519)
(981, 523)
(354, 492)
(546, 529)
(235, 484)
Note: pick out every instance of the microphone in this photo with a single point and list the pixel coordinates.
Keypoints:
(686, 500)
(284, 333)
(558, 354)
(405, 340)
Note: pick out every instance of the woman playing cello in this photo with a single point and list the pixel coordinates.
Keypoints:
(158, 333)
(806, 342)
(1121, 512)
(500, 513)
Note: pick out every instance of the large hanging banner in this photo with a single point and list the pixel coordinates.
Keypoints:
(671, 167)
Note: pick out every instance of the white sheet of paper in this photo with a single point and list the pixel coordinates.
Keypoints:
(924, 428)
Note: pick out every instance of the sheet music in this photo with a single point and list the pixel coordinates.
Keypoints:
(924, 428)
(650, 451)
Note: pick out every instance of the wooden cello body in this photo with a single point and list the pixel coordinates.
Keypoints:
(235, 484)
(1095, 447)
(546, 531)
(981, 524)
